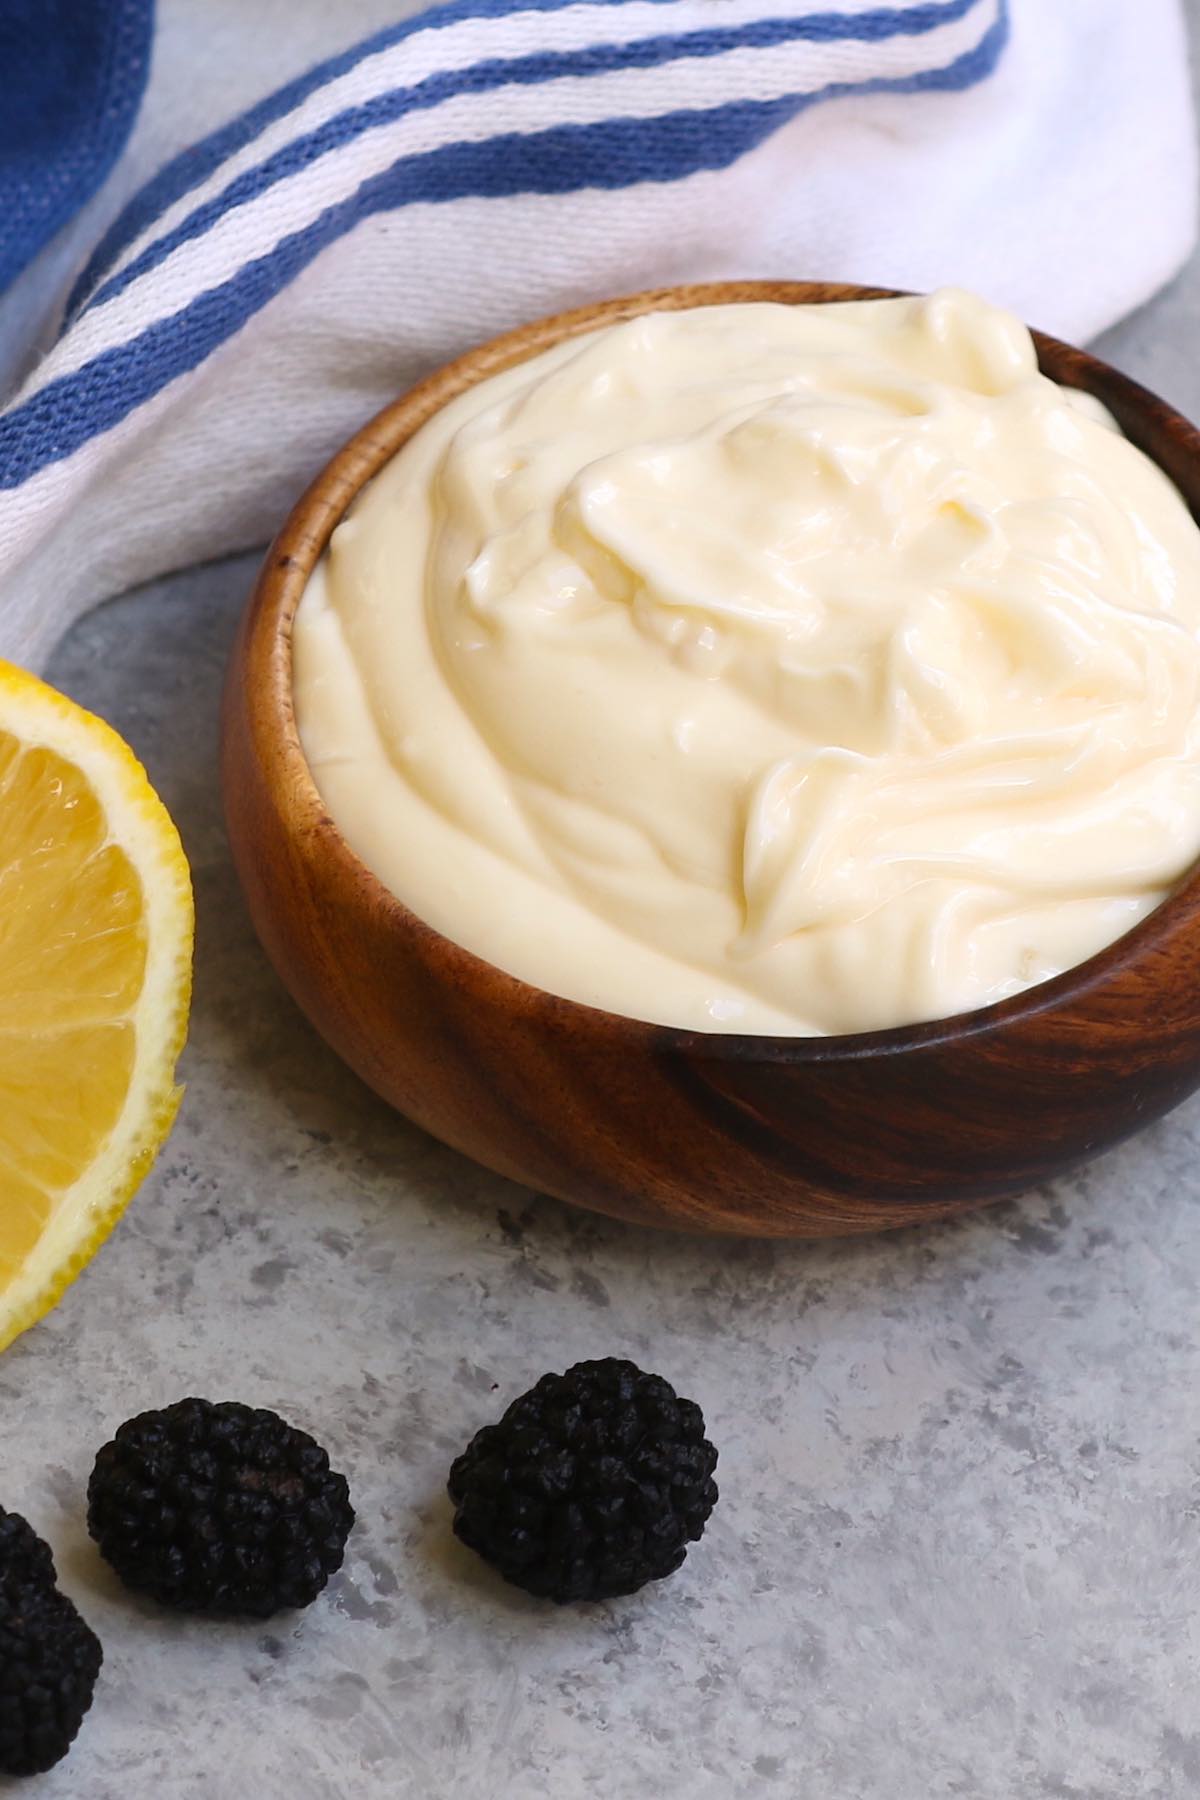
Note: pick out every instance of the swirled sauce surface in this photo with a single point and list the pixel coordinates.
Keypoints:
(768, 669)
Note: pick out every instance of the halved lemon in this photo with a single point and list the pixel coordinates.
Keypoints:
(96, 925)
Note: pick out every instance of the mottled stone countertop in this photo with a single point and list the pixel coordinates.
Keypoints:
(958, 1545)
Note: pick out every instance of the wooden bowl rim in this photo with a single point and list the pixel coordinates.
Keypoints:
(305, 533)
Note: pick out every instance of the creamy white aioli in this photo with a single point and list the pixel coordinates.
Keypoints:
(768, 669)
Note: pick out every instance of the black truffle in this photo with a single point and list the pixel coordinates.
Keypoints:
(24, 1556)
(49, 1661)
(219, 1508)
(592, 1484)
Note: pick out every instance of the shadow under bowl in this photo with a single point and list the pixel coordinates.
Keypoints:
(767, 1136)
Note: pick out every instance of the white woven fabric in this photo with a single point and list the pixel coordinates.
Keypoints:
(1054, 172)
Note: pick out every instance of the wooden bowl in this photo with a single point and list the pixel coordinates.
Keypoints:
(772, 1136)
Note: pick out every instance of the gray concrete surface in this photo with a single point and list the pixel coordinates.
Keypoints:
(958, 1545)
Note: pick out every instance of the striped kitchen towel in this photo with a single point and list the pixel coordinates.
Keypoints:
(486, 161)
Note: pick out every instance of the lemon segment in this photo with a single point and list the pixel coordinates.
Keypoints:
(96, 927)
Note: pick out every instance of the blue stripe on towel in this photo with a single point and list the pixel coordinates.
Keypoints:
(64, 415)
(197, 164)
(385, 108)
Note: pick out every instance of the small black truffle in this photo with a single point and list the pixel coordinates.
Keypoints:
(49, 1661)
(592, 1484)
(24, 1556)
(219, 1508)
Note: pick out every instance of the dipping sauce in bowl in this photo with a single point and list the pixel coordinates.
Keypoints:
(766, 669)
(845, 673)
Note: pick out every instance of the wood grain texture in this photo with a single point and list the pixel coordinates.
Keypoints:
(767, 1136)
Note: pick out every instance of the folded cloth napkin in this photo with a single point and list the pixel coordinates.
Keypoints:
(73, 77)
(490, 160)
